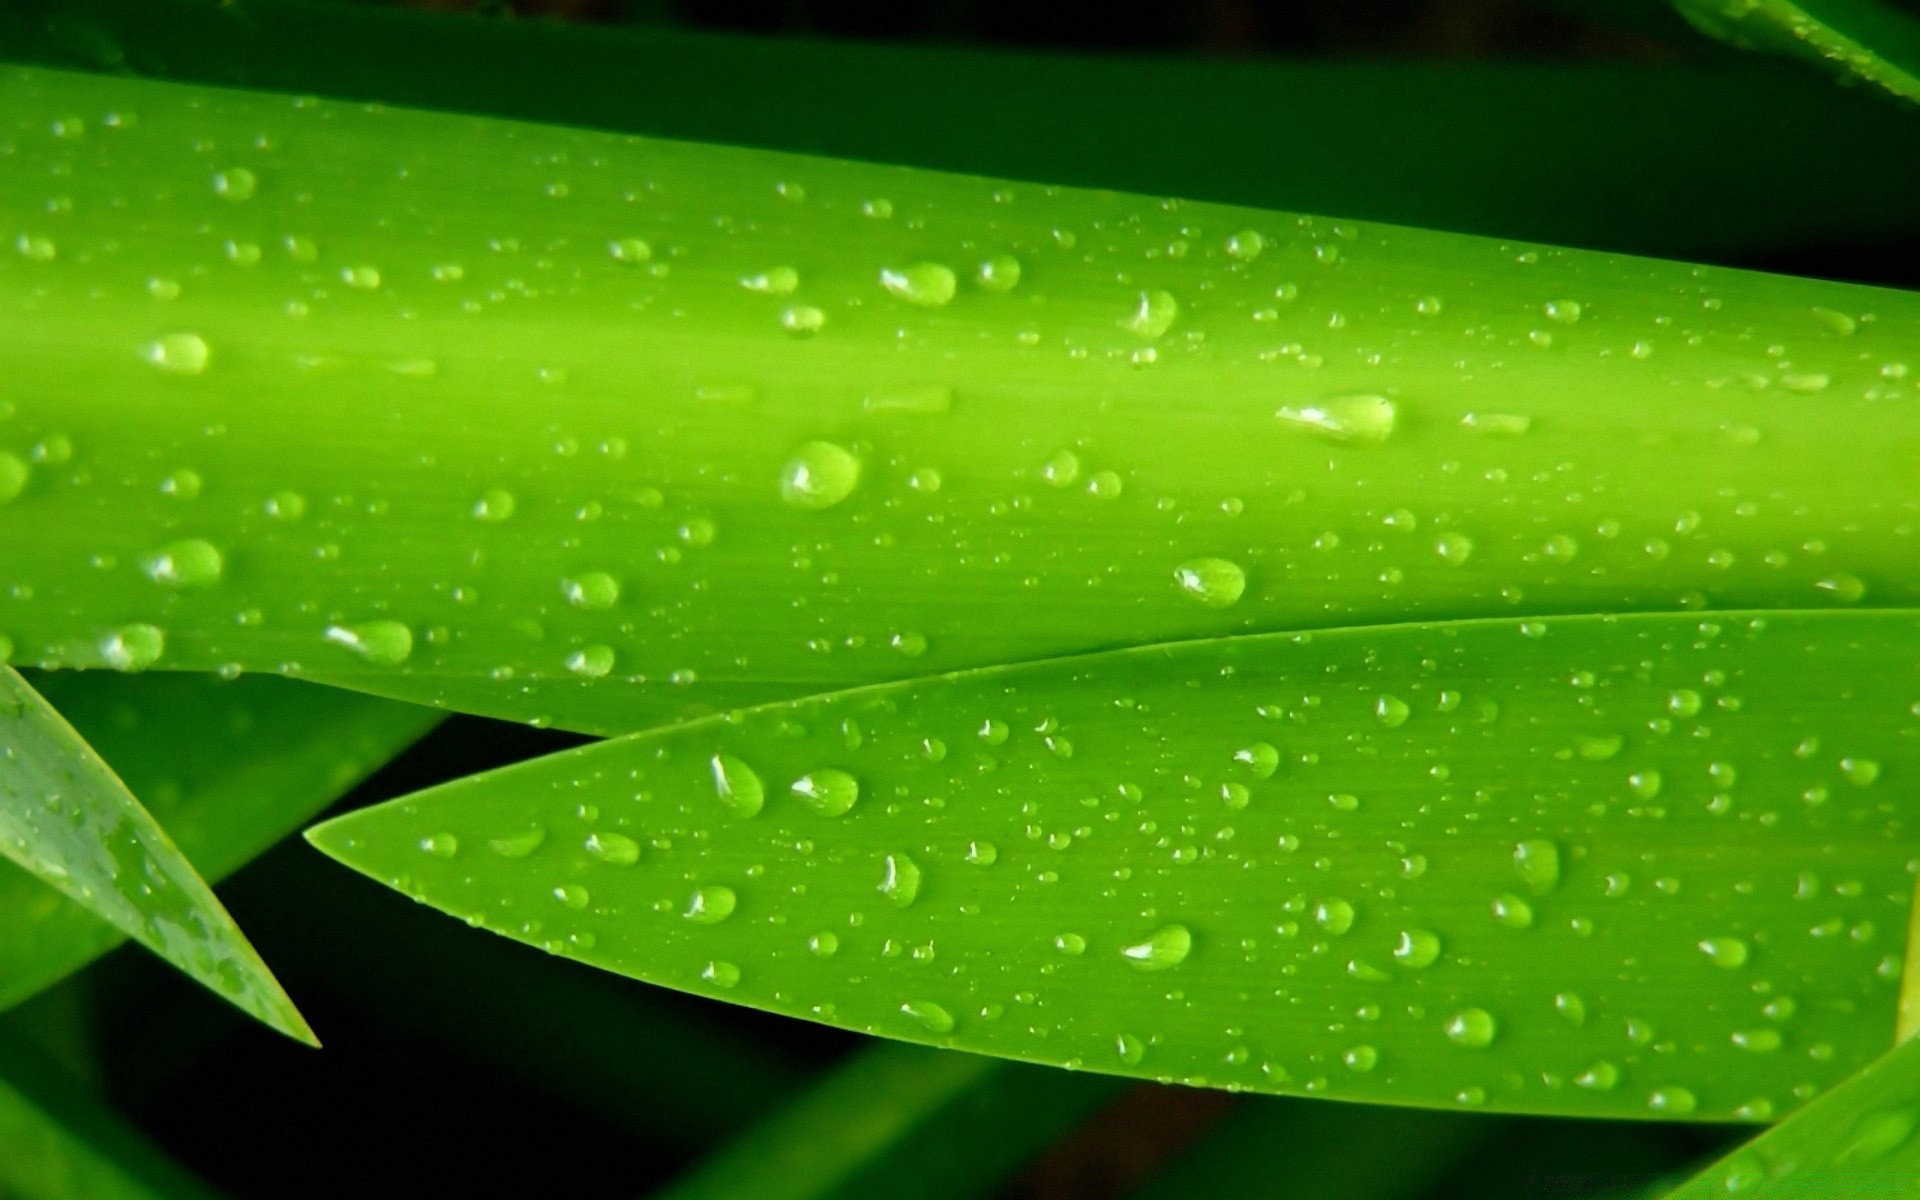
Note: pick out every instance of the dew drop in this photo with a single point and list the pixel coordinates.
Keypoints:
(1260, 758)
(1162, 950)
(591, 662)
(828, 792)
(187, 563)
(1677, 1101)
(519, 845)
(926, 284)
(1213, 582)
(1454, 548)
(824, 944)
(721, 974)
(235, 184)
(615, 848)
(778, 281)
(178, 353)
(1392, 711)
(819, 475)
(13, 476)
(440, 845)
(1473, 1028)
(1152, 316)
(1728, 952)
(382, 642)
(494, 505)
(630, 250)
(1246, 245)
(1537, 862)
(1130, 1049)
(931, 1016)
(736, 784)
(1513, 912)
(900, 880)
(711, 904)
(592, 590)
(1001, 273)
(1417, 948)
(803, 320)
(1362, 1058)
(1362, 419)
(1334, 915)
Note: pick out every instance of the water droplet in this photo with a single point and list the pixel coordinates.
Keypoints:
(13, 476)
(1513, 912)
(591, 662)
(630, 250)
(1571, 1008)
(615, 848)
(519, 845)
(1677, 1101)
(720, 974)
(803, 320)
(1362, 419)
(187, 563)
(1602, 1076)
(1848, 589)
(366, 278)
(1152, 316)
(1246, 245)
(1417, 948)
(1860, 772)
(382, 642)
(1873, 1137)
(930, 400)
(591, 590)
(440, 845)
(1537, 861)
(1837, 321)
(1130, 1049)
(286, 506)
(1163, 949)
(1236, 795)
(1729, 952)
(1564, 311)
(824, 944)
(1062, 469)
(736, 784)
(1361, 1058)
(1070, 944)
(711, 904)
(828, 792)
(235, 184)
(930, 1015)
(1001, 273)
(926, 284)
(178, 353)
(1757, 1041)
(1214, 582)
(572, 895)
(982, 853)
(1645, 784)
(1497, 424)
(900, 880)
(1334, 915)
(1455, 548)
(819, 475)
(1260, 758)
(780, 281)
(1392, 711)
(1473, 1028)
(494, 504)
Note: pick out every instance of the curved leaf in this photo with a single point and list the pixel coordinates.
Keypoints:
(227, 768)
(68, 819)
(590, 430)
(1864, 39)
(1647, 866)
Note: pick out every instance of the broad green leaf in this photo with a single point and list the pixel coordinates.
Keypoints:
(1864, 39)
(1650, 866)
(897, 1120)
(57, 1142)
(1570, 153)
(1283, 1148)
(228, 768)
(1856, 1140)
(594, 430)
(68, 819)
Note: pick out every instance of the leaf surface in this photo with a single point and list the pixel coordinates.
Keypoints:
(68, 819)
(1862, 39)
(1647, 866)
(597, 431)
(228, 768)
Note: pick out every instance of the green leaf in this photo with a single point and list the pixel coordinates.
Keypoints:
(1648, 866)
(1590, 155)
(67, 818)
(228, 768)
(596, 431)
(896, 1120)
(1861, 39)
(1856, 1140)
(58, 1142)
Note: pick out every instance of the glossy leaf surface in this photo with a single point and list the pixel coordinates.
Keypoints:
(1650, 866)
(68, 819)
(227, 768)
(598, 431)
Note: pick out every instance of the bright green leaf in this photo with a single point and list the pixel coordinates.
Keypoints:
(227, 768)
(596, 430)
(67, 818)
(897, 1120)
(1650, 866)
(1856, 1140)
(1863, 39)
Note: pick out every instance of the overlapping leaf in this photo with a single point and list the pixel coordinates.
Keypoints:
(1865, 40)
(1634, 866)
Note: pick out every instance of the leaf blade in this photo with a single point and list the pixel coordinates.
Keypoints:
(1260, 835)
(68, 819)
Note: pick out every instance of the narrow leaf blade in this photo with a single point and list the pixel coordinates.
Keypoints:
(67, 818)
(1865, 39)
(1625, 866)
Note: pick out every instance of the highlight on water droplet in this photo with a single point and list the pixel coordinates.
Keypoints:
(1361, 419)
(926, 284)
(190, 562)
(827, 791)
(900, 879)
(1214, 582)
(178, 353)
(736, 784)
(711, 904)
(1162, 949)
(819, 475)
(382, 642)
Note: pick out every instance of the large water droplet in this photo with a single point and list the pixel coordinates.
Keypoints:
(190, 562)
(931, 1016)
(711, 904)
(1360, 419)
(828, 792)
(819, 475)
(133, 647)
(591, 590)
(900, 880)
(1728, 952)
(235, 184)
(178, 353)
(1473, 1028)
(615, 848)
(14, 474)
(1417, 948)
(382, 642)
(736, 784)
(926, 284)
(1162, 949)
(1537, 862)
(1214, 582)
(1153, 315)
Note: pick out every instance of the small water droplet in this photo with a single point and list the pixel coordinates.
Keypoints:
(1392, 711)
(1537, 862)
(190, 562)
(1361, 419)
(518, 845)
(720, 974)
(591, 590)
(494, 504)
(1728, 952)
(572, 895)
(1677, 1101)
(1246, 245)
(926, 284)
(630, 250)
(1163, 949)
(736, 784)
(1334, 915)
(1455, 548)
(1513, 912)
(440, 845)
(824, 944)
(591, 662)
(1001, 273)
(1130, 1049)
(1152, 316)
(931, 1016)
(235, 184)
(178, 353)
(779, 281)
(14, 474)
(382, 642)
(819, 475)
(1362, 1058)
(1260, 758)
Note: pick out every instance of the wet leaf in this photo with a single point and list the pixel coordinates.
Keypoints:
(1866, 40)
(1647, 866)
(67, 818)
